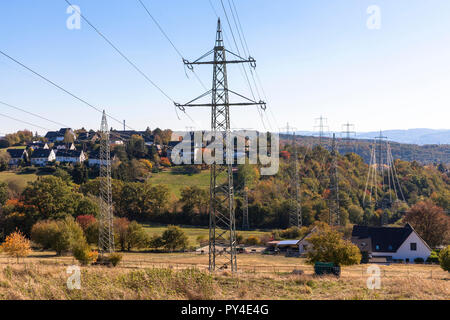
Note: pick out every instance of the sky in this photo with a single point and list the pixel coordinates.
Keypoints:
(314, 58)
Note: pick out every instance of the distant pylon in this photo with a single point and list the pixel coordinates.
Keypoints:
(349, 132)
(295, 212)
(105, 221)
(333, 197)
(321, 128)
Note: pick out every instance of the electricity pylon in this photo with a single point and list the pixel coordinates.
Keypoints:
(333, 197)
(245, 223)
(349, 131)
(222, 222)
(295, 212)
(321, 128)
(105, 221)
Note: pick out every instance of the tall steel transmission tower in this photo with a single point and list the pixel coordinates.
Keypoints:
(349, 131)
(333, 197)
(222, 223)
(106, 233)
(295, 212)
(322, 124)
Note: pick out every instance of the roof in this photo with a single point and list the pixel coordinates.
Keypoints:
(16, 153)
(51, 134)
(69, 153)
(41, 153)
(387, 239)
(288, 242)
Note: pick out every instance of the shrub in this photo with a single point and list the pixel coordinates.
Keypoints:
(91, 233)
(252, 241)
(329, 246)
(418, 260)
(59, 235)
(137, 237)
(83, 253)
(115, 258)
(444, 259)
(16, 245)
(44, 233)
(433, 258)
(174, 238)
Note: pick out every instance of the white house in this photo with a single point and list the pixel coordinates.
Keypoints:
(391, 243)
(303, 244)
(94, 159)
(41, 157)
(17, 155)
(70, 156)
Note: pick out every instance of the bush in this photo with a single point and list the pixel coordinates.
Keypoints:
(83, 253)
(433, 258)
(115, 258)
(174, 239)
(59, 235)
(444, 259)
(418, 260)
(137, 236)
(252, 241)
(329, 246)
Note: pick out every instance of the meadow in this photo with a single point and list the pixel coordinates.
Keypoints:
(175, 182)
(184, 276)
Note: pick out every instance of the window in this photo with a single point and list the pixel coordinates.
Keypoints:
(390, 247)
(377, 247)
(413, 246)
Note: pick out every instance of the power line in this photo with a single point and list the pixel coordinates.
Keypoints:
(25, 122)
(34, 114)
(58, 86)
(121, 53)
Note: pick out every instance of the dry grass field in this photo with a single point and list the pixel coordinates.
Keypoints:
(184, 276)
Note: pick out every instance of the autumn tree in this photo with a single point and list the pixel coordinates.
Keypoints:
(444, 259)
(174, 238)
(194, 199)
(328, 245)
(430, 221)
(3, 193)
(16, 245)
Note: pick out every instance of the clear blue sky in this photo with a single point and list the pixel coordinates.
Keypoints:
(314, 57)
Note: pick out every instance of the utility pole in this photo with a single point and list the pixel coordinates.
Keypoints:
(124, 126)
(222, 223)
(245, 223)
(105, 221)
(321, 127)
(333, 198)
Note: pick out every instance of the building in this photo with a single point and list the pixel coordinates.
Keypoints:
(94, 159)
(17, 155)
(42, 157)
(58, 136)
(70, 156)
(63, 146)
(37, 145)
(303, 244)
(390, 243)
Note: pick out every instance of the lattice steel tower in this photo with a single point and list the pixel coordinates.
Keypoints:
(333, 197)
(222, 223)
(105, 221)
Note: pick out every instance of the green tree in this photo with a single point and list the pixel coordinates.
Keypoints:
(137, 236)
(194, 200)
(3, 193)
(444, 258)
(52, 197)
(327, 245)
(174, 238)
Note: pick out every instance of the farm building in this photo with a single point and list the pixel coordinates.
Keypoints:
(391, 243)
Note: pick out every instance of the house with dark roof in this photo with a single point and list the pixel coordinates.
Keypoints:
(58, 136)
(42, 157)
(70, 156)
(37, 145)
(390, 243)
(94, 159)
(63, 146)
(51, 136)
(17, 155)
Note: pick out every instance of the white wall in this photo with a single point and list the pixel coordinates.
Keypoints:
(404, 252)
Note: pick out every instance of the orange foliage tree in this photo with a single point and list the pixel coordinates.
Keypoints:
(16, 245)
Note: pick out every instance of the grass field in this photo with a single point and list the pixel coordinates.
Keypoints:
(194, 232)
(175, 182)
(184, 276)
(20, 180)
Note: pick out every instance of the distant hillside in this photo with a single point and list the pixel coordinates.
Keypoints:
(410, 136)
(408, 152)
